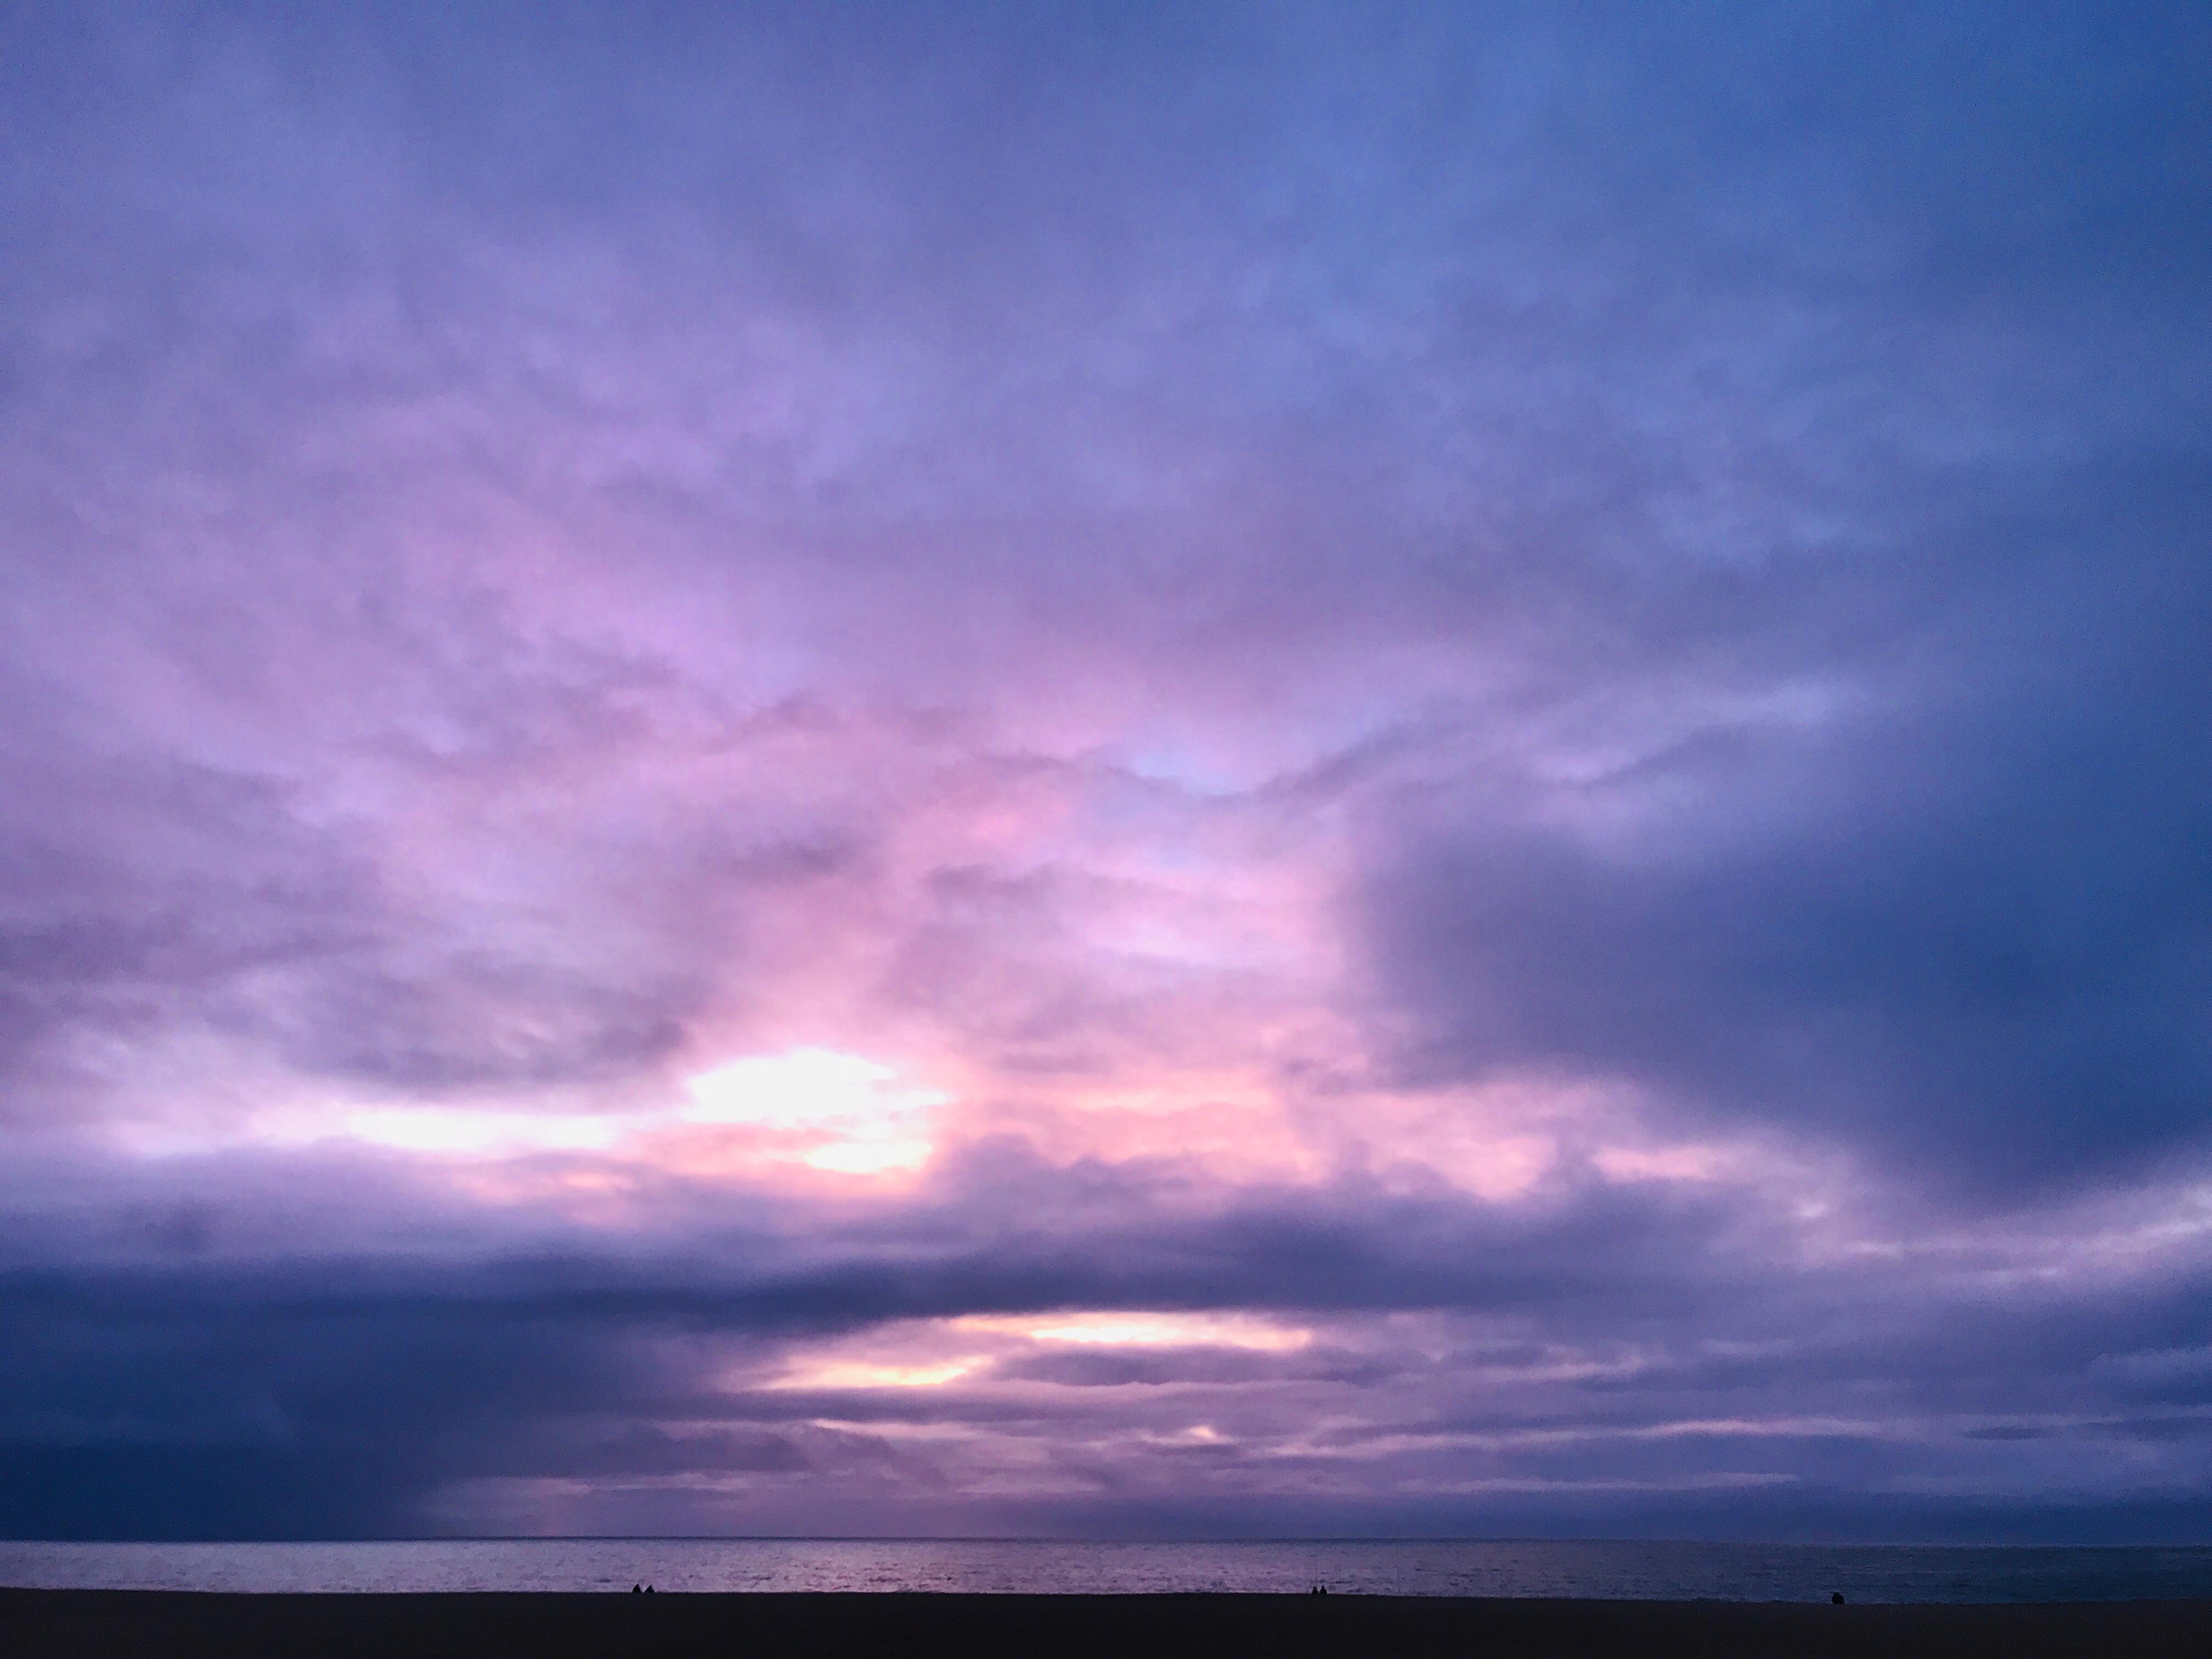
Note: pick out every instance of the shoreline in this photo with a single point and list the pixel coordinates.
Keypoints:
(38, 1623)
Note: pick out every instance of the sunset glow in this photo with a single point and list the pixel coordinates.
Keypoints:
(1150, 1330)
(1142, 772)
(832, 1111)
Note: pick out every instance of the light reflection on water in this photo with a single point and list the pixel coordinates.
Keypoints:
(1750, 1572)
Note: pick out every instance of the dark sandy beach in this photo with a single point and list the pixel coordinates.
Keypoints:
(36, 1623)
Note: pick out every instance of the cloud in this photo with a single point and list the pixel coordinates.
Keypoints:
(1486, 1366)
(1513, 692)
(1967, 932)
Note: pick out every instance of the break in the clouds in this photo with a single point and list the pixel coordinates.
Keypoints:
(1175, 770)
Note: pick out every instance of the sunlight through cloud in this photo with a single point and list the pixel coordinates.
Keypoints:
(1162, 1330)
(845, 1113)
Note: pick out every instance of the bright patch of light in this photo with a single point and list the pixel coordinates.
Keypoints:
(1176, 1330)
(853, 1374)
(805, 1089)
(848, 1111)
(481, 1134)
(811, 1107)
(868, 1156)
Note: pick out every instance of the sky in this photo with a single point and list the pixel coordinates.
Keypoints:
(1121, 770)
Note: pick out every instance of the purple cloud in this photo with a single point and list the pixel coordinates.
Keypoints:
(1288, 770)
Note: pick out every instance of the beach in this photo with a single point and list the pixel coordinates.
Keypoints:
(38, 1624)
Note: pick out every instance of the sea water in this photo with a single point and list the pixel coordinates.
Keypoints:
(1609, 1569)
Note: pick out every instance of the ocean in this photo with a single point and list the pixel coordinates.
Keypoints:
(1596, 1568)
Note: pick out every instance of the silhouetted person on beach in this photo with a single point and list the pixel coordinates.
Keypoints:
(637, 1590)
(1836, 1600)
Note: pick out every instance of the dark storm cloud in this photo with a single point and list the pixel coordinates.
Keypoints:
(354, 1395)
(1964, 925)
(177, 1394)
(1973, 933)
